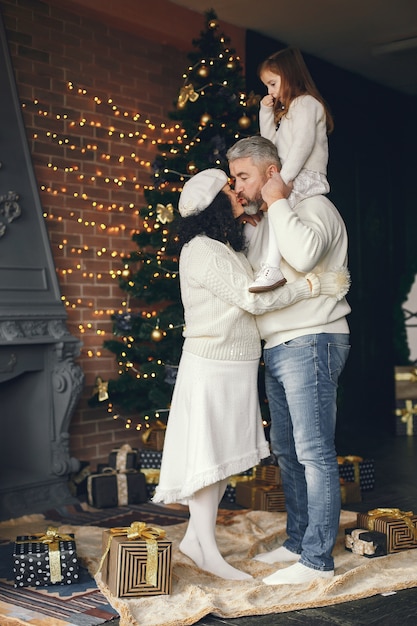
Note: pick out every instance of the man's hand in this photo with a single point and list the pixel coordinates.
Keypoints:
(275, 189)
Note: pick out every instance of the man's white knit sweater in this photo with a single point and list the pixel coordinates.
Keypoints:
(301, 138)
(219, 309)
(312, 238)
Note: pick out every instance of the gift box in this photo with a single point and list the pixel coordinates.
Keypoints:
(356, 469)
(350, 492)
(123, 458)
(399, 527)
(137, 561)
(256, 494)
(270, 474)
(150, 458)
(405, 382)
(152, 479)
(154, 436)
(112, 489)
(365, 542)
(406, 418)
(77, 483)
(45, 559)
(230, 492)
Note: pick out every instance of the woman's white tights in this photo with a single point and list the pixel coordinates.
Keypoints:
(199, 542)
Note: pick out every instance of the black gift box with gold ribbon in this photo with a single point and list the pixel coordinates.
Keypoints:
(45, 559)
(111, 488)
(356, 469)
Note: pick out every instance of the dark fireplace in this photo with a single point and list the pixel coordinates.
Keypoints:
(40, 383)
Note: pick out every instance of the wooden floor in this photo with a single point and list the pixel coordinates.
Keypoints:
(395, 486)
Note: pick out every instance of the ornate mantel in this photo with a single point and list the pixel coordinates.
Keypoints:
(40, 383)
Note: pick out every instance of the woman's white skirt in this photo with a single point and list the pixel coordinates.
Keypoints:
(214, 428)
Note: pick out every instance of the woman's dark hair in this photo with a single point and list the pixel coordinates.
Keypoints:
(216, 221)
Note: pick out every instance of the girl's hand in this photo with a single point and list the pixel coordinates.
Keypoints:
(268, 101)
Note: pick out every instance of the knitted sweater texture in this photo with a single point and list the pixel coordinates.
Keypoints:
(301, 138)
(312, 238)
(219, 309)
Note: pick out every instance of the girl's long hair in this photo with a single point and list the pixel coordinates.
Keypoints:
(296, 81)
(216, 221)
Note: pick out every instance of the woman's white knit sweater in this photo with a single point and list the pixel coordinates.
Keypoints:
(219, 309)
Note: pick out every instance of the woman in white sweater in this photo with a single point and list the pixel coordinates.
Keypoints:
(294, 116)
(214, 428)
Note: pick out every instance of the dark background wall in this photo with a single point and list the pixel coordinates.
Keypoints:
(372, 172)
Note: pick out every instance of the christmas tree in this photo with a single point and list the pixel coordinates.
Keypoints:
(213, 112)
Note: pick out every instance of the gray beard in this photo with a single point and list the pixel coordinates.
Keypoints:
(252, 208)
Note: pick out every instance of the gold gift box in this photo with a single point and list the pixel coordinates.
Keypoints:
(259, 495)
(270, 474)
(400, 527)
(124, 569)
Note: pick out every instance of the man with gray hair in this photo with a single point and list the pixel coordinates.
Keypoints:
(306, 347)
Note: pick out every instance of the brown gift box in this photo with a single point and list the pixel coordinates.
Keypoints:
(405, 382)
(125, 563)
(256, 494)
(400, 527)
(268, 473)
(154, 436)
(350, 492)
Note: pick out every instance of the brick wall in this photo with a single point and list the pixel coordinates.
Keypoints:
(91, 162)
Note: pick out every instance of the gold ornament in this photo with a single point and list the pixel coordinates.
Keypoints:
(164, 214)
(205, 119)
(244, 122)
(203, 71)
(101, 389)
(157, 334)
(186, 93)
(126, 272)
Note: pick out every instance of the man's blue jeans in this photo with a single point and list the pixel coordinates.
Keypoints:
(301, 378)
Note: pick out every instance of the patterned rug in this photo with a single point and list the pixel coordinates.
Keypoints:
(80, 604)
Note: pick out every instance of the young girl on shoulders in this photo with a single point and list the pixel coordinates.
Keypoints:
(294, 116)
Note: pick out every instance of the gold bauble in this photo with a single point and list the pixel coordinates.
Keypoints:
(157, 334)
(203, 71)
(205, 119)
(244, 121)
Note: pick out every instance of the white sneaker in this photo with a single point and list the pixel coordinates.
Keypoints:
(268, 278)
(296, 574)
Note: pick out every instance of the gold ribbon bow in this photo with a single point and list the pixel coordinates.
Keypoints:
(121, 456)
(52, 537)
(151, 475)
(410, 376)
(102, 389)
(407, 415)
(187, 93)
(405, 516)
(158, 425)
(164, 213)
(137, 531)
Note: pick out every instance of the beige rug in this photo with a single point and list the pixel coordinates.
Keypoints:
(196, 593)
